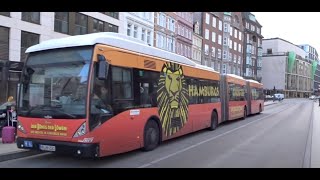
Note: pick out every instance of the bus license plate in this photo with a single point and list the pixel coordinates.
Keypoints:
(47, 148)
(28, 144)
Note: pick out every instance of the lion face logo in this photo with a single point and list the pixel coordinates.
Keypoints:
(172, 98)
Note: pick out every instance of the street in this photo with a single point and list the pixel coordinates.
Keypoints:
(279, 137)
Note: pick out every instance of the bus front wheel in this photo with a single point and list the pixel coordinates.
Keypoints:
(151, 135)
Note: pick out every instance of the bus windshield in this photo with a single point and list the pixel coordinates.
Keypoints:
(54, 84)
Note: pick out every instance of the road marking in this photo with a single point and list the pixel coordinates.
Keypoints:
(210, 139)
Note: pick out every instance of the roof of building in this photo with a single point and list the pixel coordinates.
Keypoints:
(246, 16)
(112, 39)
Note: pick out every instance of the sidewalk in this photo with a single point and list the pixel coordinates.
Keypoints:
(315, 146)
(11, 151)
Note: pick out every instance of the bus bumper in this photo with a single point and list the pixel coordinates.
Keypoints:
(77, 149)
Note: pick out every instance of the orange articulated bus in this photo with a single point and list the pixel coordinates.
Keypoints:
(101, 94)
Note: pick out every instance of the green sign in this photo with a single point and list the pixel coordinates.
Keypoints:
(314, 67)
(291, 60)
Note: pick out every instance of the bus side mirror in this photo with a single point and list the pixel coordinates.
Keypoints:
(103, 67)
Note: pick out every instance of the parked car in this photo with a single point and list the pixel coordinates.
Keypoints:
(313, 97)
(279, 97)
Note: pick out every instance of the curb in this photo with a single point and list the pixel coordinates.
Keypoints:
(18, 154)
(269, 104)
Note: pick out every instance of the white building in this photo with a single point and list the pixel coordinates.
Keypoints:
(285, 68)
(20, 30)
(139, 25)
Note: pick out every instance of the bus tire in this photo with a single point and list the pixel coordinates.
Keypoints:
(151, 135)
(214, 121)
(245, 112)
(260, 109)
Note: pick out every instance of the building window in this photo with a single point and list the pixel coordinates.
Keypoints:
(224, 69)
(135, 31)
(143, 34)
(239, 59)
(213, 37)
(235, 46)
(240, 34)
(225, 27)
(97, 26)
(220, 25)
(213, 52)
(206, 49)
(230, 56)
(110, 28)
(219, 54)
(81, 24)
(214, 22)
(247, 25)
(5, 14)
(248, 38)
(230, 44)
(61, 22)
(234, 58)
(224, 55)
(206, 36)
(4, 43)
(129, 29)
(269, 51)
(148, 37)
(162, 20)
(112, 14)
(33, 17)
(239, 47)
(27, 39)
(225, 41)
(207, 18)
(235, 33)
(231, 30)
(219, 39)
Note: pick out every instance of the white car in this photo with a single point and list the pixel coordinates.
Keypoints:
(312, 97)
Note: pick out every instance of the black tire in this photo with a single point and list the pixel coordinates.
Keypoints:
(245, 113)
(214, 121)
(151, 135)
(260, 109)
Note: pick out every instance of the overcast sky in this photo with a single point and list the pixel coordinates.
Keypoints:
(295, 27)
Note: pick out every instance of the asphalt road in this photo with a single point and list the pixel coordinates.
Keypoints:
(278, 137)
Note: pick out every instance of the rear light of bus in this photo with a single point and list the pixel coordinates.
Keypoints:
(81, 131)
(20, 127)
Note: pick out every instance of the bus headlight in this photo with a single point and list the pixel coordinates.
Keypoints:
(20, 127)
(81, 131)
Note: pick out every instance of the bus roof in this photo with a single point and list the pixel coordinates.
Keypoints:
(253, 81)
(112, 39)
(235, 76)
(206, 68)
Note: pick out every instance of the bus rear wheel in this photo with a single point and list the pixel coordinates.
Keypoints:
(214, 121)
(260, 109)
(245, 113)
(151, 136)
